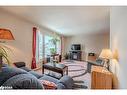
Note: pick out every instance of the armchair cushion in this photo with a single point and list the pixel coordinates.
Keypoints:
(67, 81)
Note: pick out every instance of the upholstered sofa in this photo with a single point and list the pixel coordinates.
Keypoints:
(24, 78)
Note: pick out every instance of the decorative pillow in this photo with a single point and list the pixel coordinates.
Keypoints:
(48, 84)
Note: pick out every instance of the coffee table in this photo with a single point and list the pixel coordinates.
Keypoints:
(58, 67)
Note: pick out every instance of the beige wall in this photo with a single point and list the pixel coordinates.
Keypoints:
(22, 30)
(90, 43)
(118, 29)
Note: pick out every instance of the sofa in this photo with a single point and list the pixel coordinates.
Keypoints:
(25, 78)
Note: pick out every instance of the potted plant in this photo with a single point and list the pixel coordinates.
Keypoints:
(54, 41)
(66, 56)
(53, 51)
(3, 55)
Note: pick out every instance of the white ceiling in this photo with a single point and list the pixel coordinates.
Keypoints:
(66, 20)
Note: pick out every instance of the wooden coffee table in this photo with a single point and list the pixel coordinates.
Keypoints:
(59, 68)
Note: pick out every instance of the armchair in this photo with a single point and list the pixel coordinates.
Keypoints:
(98, 62)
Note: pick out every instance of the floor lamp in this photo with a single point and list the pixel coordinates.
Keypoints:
(5, 34)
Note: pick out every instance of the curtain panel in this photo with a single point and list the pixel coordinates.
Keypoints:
(33, 64)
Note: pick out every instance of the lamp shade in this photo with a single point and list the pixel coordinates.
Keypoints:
(6, 34)
(106, 54)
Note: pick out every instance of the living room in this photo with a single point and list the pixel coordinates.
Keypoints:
(100, 34)
(91, 28)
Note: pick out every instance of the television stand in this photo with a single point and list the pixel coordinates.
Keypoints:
(75, 55)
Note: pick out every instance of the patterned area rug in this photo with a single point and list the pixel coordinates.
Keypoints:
(77, 70)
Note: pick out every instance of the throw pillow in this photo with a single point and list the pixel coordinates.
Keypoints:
(48, 84)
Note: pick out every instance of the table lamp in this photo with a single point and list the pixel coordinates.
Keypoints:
(106, 54)
(5, 35)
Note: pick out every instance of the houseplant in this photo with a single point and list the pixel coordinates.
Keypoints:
(54, 41)
(67, 56)
(5, 34)
(53, 51)
(3, 55)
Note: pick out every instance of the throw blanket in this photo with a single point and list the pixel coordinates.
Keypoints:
(18, 79)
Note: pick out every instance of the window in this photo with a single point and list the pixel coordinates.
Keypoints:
(45, 46)
(52, 45)
(48, 45)
(59, 45)
(39, 48)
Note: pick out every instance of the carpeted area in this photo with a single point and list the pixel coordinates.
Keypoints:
(77, 70)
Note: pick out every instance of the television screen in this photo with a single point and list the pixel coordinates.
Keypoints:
(76, 47)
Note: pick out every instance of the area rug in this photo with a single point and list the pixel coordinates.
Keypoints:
(77, 70)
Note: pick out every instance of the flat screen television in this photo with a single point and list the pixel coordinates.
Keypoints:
(75, 47)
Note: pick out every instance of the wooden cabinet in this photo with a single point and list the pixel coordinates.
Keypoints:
(101, 78)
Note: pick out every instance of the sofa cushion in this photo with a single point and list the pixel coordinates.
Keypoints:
(4, 65)
(25, 68)
(49, 78)
(23, 81)
(60, 86)
(37, 75)
(8, 72)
